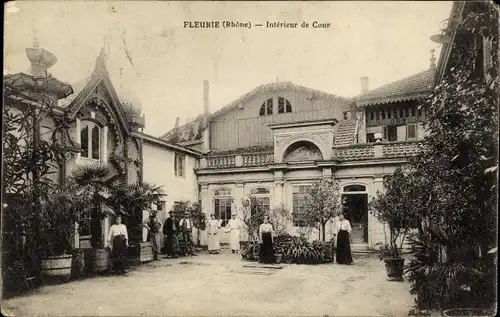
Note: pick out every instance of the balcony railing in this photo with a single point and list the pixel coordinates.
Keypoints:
(257, 159)
(400, 149)
(221, 161)
(355, 152)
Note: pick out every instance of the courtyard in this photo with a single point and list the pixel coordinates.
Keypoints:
(210, 285)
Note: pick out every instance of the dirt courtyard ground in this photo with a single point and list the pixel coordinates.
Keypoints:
(210, 285)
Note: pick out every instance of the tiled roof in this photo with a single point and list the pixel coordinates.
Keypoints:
(409, 88)
(77, 89)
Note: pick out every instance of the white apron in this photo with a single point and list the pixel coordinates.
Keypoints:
(234, 235)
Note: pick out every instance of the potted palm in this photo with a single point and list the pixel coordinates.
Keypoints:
(134, 199)
(101, 179)
(60, 208)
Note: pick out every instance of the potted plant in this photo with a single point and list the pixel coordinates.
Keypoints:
(400, 219)
(278, 254)
(60, 208)
(101, 180)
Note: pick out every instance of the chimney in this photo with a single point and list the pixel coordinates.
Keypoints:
(177, 122)
(365, 84)
(205, 97)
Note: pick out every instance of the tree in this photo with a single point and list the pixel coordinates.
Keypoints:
(396, 208)
(101, 179)
(196, 215)
(252, 214)
(322, 203)
(451, 185)
(279, 217)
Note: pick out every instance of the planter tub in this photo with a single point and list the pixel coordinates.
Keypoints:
(394, 268)
(57, 268)
(469, 312)
(279, 258)
(98, 260)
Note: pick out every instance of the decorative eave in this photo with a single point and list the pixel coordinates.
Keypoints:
(274, 87)
(174, 147)
(50, 85)
(80, 100)
(393, 99)
(308, 123)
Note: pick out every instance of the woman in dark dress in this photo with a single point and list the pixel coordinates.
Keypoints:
(344, 255)
(118, 240)
(266, 247)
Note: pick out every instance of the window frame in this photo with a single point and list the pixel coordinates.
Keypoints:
(225, 197)
(179, 158)
(296, 222)
(414, 126)
(90, 125)
(259, 197)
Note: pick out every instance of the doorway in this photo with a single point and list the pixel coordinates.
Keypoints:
(356, 208)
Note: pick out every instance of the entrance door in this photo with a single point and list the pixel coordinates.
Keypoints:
(357, 214)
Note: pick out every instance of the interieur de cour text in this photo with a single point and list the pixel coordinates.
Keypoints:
(247, 24)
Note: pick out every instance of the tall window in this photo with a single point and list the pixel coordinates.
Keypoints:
(222, 205)
(261, 198)
(284, 106)
(267, 107)
(179, 164)
(299, 197)
(90, 137)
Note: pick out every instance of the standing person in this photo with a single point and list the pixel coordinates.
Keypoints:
(331, 229)
(171, 232)
(118, 241)
(344, 255)
(266, 233)
(153, 226)
(186, 225)
(213, 235)
(234, 226)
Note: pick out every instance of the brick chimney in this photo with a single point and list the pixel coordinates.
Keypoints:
(365, 84)
(206, 104)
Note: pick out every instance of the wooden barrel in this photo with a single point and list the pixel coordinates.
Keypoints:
(101, 260)
(57, 266)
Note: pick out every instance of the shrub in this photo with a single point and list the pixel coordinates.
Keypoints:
(301, 251)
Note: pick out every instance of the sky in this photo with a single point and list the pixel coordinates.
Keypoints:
(151, 53)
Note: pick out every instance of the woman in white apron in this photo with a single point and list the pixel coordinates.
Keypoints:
(213, 235)
(234, 227)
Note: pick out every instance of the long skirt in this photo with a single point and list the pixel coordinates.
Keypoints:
(266, 249)
(344, 255)
(213, 242)
(171, 244)
(234, 241)
(119, 253)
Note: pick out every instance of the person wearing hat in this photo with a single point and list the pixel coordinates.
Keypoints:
(186, 225)
(233, 227)
(153, 226)
(171, 231)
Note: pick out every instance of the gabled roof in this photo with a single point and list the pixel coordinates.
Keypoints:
(409, 88)
(185, 129)
(273, 87)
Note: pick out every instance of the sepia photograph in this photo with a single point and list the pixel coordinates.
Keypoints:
(253, 158)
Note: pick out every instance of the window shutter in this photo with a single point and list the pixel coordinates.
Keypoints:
(385, 133)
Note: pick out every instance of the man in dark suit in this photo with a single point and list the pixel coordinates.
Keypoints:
(171, 232)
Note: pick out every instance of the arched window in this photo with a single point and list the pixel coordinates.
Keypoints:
(284, 106)
(223, 205)
(261, 198)
(354, 188)
(266, 108)
(90, 137)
